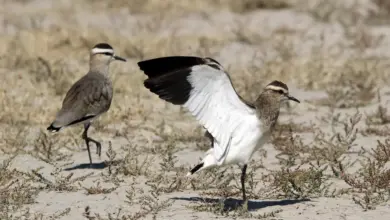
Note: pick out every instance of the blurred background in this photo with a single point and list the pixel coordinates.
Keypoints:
(333, 55)
(310, 43)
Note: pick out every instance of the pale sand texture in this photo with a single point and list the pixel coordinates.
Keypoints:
(332, 55)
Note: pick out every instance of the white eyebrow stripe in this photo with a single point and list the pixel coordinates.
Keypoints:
(100, 50)
(276, 88)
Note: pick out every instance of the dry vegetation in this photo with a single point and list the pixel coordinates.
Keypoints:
(336, 146)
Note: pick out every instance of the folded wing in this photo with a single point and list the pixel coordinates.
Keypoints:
(87, 98)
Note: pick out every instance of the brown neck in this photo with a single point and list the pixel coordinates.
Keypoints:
(268, 106)
(99, 67)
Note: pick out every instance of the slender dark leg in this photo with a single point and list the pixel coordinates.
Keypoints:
(243, 182)
(209, 136)
(88, 139)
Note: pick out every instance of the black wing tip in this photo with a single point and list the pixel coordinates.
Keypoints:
(176, 93)
(169, 58)
(162, 65)
(53, 129)
(167, 76)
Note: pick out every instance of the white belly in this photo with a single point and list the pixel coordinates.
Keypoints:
(246, 141)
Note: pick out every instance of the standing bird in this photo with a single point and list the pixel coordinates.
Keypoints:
(90, 96)
(236, 127)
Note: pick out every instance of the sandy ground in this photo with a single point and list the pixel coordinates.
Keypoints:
(333, 56)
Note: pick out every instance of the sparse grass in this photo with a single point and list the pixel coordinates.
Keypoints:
(380, 117)
(149, 202)
(15, 190)
(43, 52)
(352, 90)
(301, 183)
(346, 12)
(371, 182)
(98, 189)
(291, 148)
(60, 182)
(377, 121)
(150, 6)
(368, 185)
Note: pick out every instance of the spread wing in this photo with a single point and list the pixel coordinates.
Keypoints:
(204, 88)
(87, 98)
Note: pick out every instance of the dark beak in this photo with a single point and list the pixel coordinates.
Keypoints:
(293, 99)
(119, 58)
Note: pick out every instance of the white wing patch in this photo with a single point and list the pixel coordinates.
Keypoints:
(216, 105)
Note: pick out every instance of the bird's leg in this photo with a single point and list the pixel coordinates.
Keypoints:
(88, 139)
(98, 146)
(85, 137)
(243, 173)
(210, 137)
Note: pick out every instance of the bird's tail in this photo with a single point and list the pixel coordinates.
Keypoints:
(53, 129)
(196, 168)
(207, 162)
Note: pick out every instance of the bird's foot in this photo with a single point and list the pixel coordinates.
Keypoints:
(244, 204)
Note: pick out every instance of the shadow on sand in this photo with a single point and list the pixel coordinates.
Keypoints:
(95, 166)
(233, 204)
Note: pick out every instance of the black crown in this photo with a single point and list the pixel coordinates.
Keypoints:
(103, 46)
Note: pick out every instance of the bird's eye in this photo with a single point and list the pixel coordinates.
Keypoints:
(108, 53)
(280, 91)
